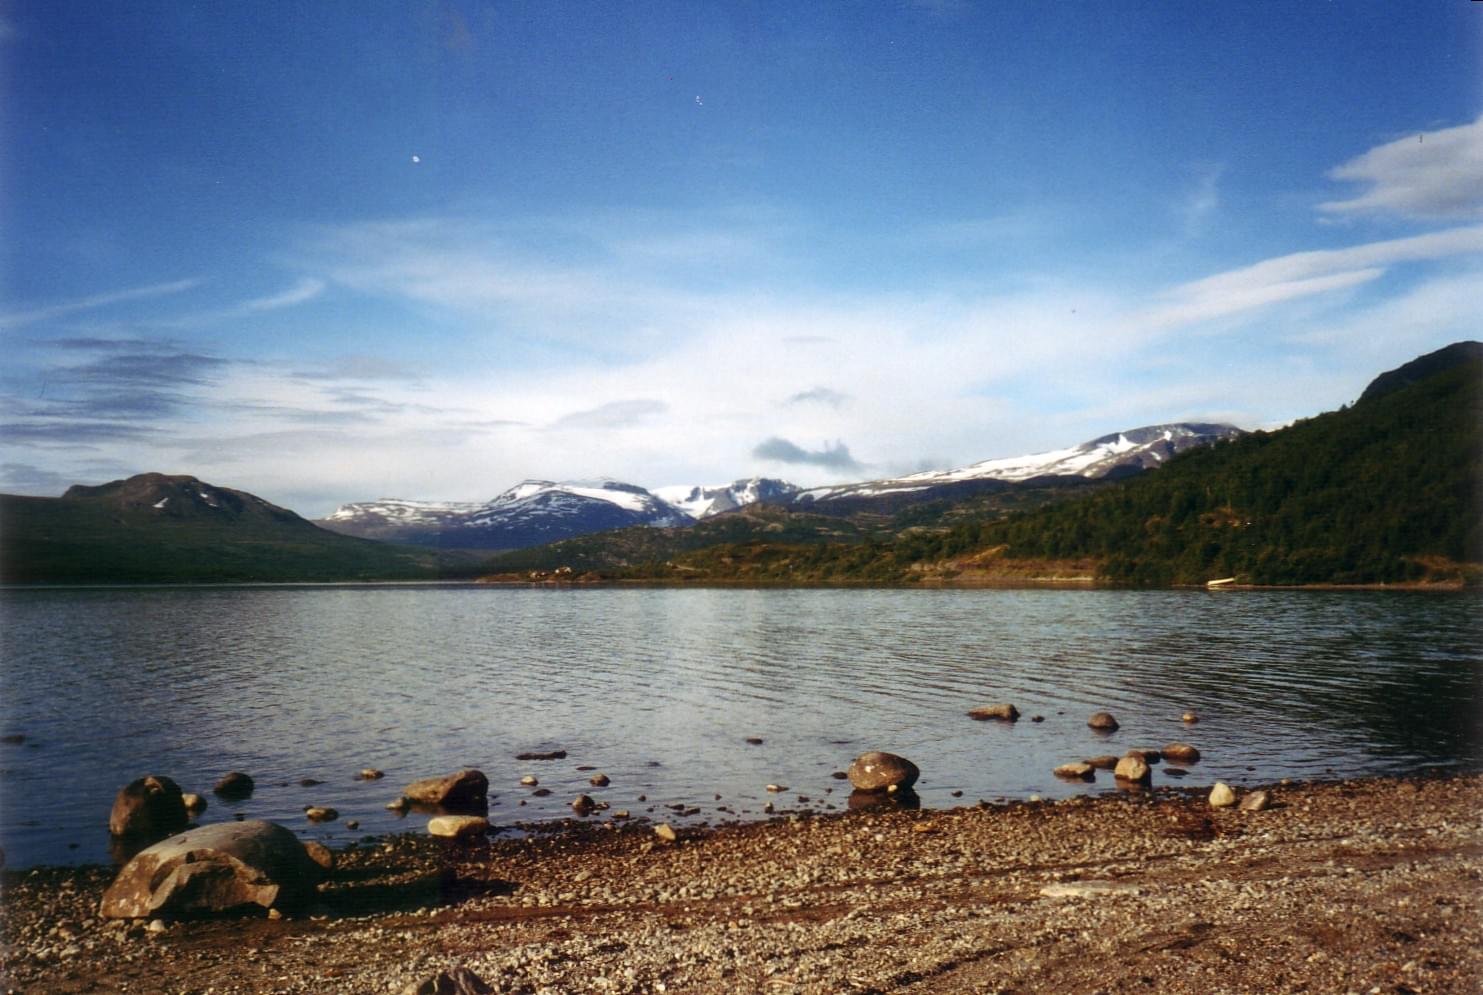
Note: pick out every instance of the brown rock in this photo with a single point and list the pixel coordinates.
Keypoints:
(212, 869)
(1105, 762)
(1257, 801)
(459, 981)
(458, 826)
(877, 771)
(583, 804)
(1003, 712)
(150, 808)
(553, 755)
(1189, 718)
(1132, 769)
(1181, 753)
(194, 803)
(599, 780)
(467, 788)
(234, 785)
(1147, 755)
(318, 813)
(1076, 772)
(372, 774)
(1103, 722)
(321, 855)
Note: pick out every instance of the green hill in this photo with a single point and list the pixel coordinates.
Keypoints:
(1387, 490)
(154, 528)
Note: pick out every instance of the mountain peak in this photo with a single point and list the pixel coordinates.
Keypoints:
(1422, 367)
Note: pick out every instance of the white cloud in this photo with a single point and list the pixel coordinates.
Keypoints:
(64, 308)
(1435, 175)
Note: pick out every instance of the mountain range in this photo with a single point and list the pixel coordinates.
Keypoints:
(537, 512)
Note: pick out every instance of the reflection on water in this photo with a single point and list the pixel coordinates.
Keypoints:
(661, 689)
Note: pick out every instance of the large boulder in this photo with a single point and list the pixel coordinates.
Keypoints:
(876, 771)
(150, 808)
(467, 788)
(234, 785)
(213, 869)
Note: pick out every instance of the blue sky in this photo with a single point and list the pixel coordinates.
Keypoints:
(336, 251)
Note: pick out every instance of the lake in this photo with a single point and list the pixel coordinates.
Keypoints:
(659, 689)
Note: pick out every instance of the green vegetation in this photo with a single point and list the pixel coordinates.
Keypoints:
(97, 536)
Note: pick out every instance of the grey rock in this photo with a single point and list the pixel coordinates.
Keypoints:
(1076, 772)
(1257, 801)
(877, 771)
(212, 869)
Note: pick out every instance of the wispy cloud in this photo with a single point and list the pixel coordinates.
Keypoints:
(820, 395)
(834, 456)
(62, 309)
(614, 414)
(1434, 175)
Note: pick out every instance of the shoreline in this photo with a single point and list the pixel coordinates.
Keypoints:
(1340, 886)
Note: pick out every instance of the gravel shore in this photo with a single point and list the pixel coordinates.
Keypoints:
(1372, 886)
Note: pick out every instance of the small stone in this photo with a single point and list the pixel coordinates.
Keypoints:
(157, 926)
(1133, 770)
(1221, 796)
(1076, 772)
(1148, 756)
(1105, 762)
(320, 854)
(1257, 801)
(582, 804)
(317, 813)
(399, 804)
(754, 740)
(553, 755)
(372, 774)
(457, 826)
(839, 775)
(1189, 718)
(1176, 772)
(665, 832)
(1103, 722)
(777, 788)
(529, 780)
(622, 813)
(1181, 753)
(352, 824)
(1037, 718)
(194, 803)
(599, 780)
(1003, 712)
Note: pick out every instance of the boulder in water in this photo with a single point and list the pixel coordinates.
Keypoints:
(466, 788)
(877, 771)
(1103, 722)
(151, 807)
(1004, 712)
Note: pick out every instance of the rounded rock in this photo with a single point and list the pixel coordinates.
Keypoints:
(1103, 722)
(1132, 769)
(1181, 753)
(1189, 718)
(152, 806)
(234, 785)
(878, 771)
(1221, 796)
(1003, 712)
(1076, 772)
(455, 827)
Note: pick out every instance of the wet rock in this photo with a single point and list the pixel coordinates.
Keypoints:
(599, 780)
(553, 755)
(1105, 762)
(777, 788)
(1221, 796)
(885, 800)
(1103, 722)
(194, 803)
(1132, 770)
(466, 788)
(309, 782)
(151, 807)
(1257, 801)
(234, 785)
(754, 740)
(1003, 712)
(665, 832)
(1181, 753)
(321, 855)
(352, 824)
(1189, 718)
(583, 805)
(213, 869)
(839, 775)
(458, 826)
(1076, 772)
(529, 780)
(399, 804)
(318, 813)
(877, 771)
(1147, 755)
(372, 774)
(459, 981)
(1176, 772)
(1037, 718)
(540, 792)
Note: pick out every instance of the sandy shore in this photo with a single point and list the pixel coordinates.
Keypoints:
(1363, 886)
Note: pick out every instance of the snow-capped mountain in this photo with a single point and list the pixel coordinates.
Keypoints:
(529, 514)
(702, 502)
(1116, 454)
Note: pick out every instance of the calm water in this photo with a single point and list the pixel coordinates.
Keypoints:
(659, 689)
